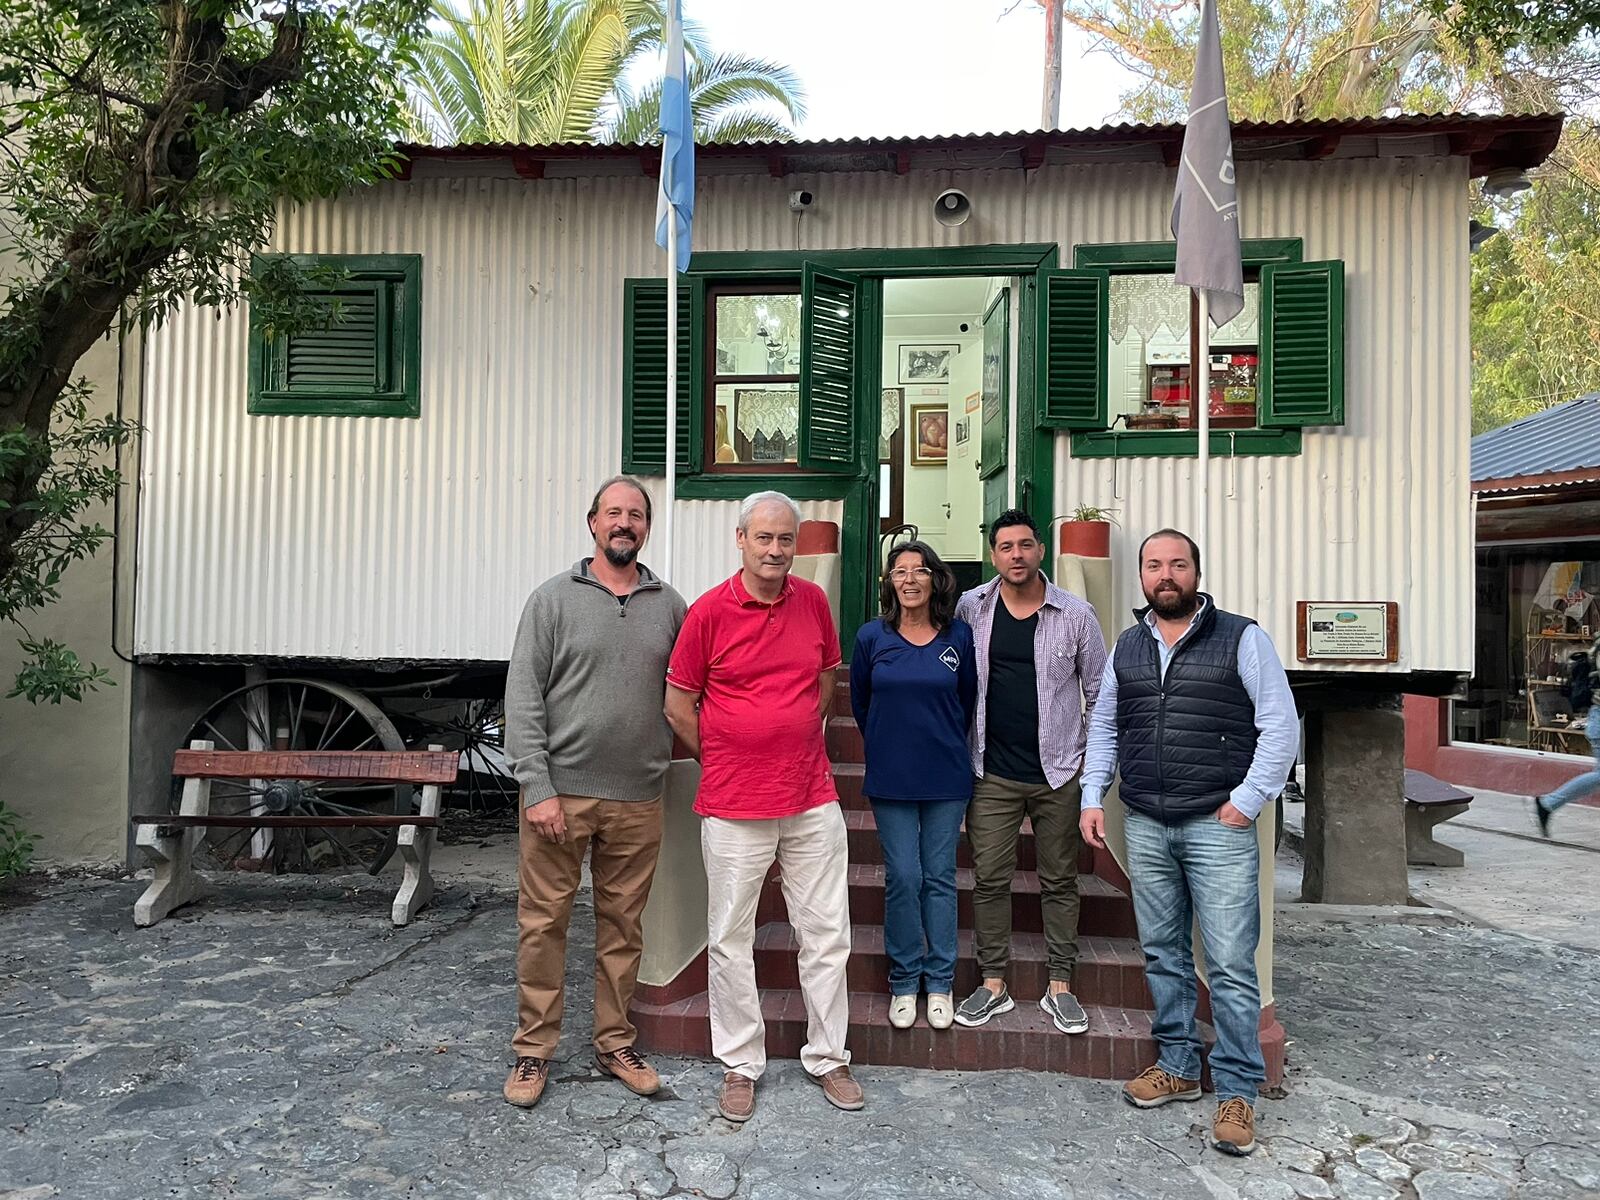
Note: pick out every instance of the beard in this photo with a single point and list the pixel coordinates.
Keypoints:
(621, 555)
(1171, 602)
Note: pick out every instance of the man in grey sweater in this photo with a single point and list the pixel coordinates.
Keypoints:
(587, 741)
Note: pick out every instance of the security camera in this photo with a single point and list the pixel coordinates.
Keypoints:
(965, 327)
(800, 201)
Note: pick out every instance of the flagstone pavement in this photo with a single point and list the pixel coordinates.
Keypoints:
(282, 1040)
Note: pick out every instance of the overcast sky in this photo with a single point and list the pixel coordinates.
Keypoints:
(906, 67)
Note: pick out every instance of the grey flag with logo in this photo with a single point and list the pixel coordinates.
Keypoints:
(1205, 204)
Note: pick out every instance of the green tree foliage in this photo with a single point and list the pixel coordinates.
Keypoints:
(540, 71)
(16, 843)
(1507, 24)
(1535, 285)
(149, 145)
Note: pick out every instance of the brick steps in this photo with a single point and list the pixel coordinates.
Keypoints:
(1117, 1046)
(1110, 971)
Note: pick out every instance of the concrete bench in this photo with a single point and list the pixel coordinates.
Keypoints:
(168, 841)
(1431, 802)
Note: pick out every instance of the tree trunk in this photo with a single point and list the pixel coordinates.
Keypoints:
(1050, 113)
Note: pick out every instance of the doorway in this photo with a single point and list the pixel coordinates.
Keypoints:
(944, 447)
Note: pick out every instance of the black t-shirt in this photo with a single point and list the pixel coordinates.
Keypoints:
(1011, 733)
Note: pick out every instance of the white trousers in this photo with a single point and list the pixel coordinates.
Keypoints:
(812, 853)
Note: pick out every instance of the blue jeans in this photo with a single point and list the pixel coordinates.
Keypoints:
(1201, 869)
(919, 903)
(1589, 781)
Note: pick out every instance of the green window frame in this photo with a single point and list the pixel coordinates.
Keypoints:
(1302, 337)
(365, 362)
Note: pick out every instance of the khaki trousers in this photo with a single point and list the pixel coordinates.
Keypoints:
(624, 837)
(993, 821)
(812, 853)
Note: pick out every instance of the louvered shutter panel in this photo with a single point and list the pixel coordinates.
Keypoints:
(644, 378)
(1302, 344)
(348, 354)
(830, 355)
(1076, 334)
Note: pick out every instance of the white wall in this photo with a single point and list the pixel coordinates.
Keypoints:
(364, 538)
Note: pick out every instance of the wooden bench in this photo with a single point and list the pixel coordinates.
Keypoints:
(1431, 802)
(168, 841)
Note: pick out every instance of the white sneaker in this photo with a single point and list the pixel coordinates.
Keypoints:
(903, 1011)
(941, 1010)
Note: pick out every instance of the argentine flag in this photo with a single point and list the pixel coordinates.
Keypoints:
(676, 200)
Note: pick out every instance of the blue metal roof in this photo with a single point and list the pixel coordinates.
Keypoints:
(1565, 437)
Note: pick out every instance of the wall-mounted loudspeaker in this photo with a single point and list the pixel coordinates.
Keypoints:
(952, 207)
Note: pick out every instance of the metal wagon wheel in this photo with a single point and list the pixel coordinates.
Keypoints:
(300, 714)
(477, 728)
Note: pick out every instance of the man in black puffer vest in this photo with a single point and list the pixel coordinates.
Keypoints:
(1196, 714)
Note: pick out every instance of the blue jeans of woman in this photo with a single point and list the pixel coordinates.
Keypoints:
(919, 903)
(1201, 869)
(1589, 781)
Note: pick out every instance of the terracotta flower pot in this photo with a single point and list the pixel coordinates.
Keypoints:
(1088, 539)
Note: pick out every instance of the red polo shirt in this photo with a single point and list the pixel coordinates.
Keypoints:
(756, 667)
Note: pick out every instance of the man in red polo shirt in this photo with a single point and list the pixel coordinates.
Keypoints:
(751, 676)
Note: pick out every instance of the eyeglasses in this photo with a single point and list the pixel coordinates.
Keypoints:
(902, 574)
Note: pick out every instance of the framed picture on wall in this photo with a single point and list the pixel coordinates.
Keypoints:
(930, 427)
(926, 364)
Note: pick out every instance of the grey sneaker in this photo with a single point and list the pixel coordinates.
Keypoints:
(1063, 1008)
(977, 1008)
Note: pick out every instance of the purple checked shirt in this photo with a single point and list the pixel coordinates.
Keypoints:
(1069, 656)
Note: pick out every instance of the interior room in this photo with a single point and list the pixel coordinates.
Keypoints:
(943, 412)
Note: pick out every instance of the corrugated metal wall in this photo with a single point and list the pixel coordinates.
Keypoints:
(367, 538)
(1376, 510)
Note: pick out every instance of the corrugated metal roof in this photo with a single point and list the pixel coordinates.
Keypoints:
(1489, 140)
(1561, 439)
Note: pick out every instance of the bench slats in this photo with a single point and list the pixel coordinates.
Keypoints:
(366, 766)
(245, 821)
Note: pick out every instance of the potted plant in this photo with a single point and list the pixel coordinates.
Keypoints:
(1086, 531)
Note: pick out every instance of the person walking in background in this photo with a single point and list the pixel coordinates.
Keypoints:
(750, 678)
(914, 687)
(1587, 784)
(589, 748)
(1040, 655)
(1197, 717)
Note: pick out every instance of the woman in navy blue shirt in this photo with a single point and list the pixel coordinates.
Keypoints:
(914, 686)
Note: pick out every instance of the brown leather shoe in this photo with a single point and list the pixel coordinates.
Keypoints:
(738, 1099)
(628, 1065)
(1233, 1131)
(1155, 1087)
(526, 1082)
(841, 1090)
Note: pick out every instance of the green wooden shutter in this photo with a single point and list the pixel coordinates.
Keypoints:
(364, 358)
(349, 354)
(1074, 343)
(644, 377)
(830, 354)
(1302, 344)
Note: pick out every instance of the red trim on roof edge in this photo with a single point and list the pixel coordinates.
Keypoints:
(1490, 142)
(1535, 483)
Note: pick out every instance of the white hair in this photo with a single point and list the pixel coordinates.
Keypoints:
(761, 500)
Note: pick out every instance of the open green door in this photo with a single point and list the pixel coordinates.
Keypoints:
(995, 428)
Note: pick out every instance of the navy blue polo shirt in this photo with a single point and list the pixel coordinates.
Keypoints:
(914, 705)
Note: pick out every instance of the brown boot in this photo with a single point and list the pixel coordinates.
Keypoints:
(1155, 1087)
(841, 1090)
(738, 1100)
(628, 1065)
(526, 1082)
(1233, 1131)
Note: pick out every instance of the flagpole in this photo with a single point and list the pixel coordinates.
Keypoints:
(1202, 467)
(665, 559)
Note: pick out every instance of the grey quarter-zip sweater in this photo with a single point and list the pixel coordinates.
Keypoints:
(586, 686)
